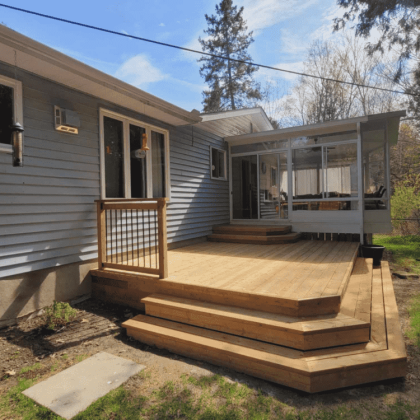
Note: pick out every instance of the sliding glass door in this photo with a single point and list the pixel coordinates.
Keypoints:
(245, 187)
(273, 186)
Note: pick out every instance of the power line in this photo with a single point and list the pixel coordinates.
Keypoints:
(164, 44)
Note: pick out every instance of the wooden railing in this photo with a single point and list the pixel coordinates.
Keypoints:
(132, 235)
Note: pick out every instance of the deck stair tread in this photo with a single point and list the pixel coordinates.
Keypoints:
(300, 333)
(254, 238)
(252, 230)
(383, 357)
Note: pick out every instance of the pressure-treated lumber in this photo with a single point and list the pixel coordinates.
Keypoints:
(297, 333)
(310, 371)
(252, 230)
(283, 279)
(255, 239)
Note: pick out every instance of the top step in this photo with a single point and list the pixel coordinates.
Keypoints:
(252, 230)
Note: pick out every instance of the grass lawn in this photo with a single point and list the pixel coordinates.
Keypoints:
(206, 398)
(405, 250)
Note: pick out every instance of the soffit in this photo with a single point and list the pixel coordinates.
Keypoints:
(391, 119)
(232, 123)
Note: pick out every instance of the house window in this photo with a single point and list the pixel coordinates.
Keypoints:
(126, 172)
(218, 163)
(10, 110)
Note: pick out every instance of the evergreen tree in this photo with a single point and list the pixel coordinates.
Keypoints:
(230, 83)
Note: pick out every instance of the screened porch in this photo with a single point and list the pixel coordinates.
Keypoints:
(331, 177)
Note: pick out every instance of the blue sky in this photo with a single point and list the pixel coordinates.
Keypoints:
(283, 29)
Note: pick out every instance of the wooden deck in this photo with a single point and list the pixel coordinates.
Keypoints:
(309, 315)
(301, 279)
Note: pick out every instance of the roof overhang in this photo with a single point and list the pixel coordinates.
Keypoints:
(236, 122)
(46, 62)
(392, 120)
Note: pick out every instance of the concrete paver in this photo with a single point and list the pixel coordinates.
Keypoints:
(76, 388)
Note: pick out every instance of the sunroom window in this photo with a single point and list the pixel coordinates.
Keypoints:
(129, 172)
(325, 173)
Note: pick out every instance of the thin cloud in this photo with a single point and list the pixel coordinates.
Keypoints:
(265, 13)
(272, 75)
(161, 24)
(139, 71)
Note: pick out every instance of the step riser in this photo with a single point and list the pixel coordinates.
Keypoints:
(258, 331)
(132, 288)
(257, 240)
(262, 369)
(252, 231)
(224, 358)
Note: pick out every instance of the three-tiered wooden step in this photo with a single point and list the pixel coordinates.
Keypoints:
(251, 234)
(362, 343)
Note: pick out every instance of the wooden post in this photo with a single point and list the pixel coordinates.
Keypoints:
(101, 235)
(163, 244)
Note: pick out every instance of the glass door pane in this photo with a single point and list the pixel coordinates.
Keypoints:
(138, 165)
(114, 158)
(273, 186)
(158, 164)
(244, 187)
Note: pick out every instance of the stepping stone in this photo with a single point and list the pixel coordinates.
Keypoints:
(73, 390)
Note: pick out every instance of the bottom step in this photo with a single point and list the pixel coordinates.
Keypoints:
(267, 361)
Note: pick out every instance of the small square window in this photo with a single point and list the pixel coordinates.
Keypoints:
(218, 163)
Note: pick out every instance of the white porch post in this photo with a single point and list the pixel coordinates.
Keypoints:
(360, 182)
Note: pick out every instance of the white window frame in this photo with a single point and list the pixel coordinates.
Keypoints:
(16, 85)
(126, 147)
(224, 163)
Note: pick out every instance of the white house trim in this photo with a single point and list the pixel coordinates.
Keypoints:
(127, 179)
(16, 85)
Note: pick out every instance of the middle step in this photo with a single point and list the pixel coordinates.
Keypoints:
(298, 333)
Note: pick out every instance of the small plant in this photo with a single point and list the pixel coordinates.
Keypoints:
(32, 368)
(81, 357)
(59, 314)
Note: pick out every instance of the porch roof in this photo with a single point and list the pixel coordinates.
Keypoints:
(236, 122)
(392, 120)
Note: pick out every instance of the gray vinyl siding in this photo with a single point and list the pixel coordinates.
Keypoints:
(197, 201)
(47, 210)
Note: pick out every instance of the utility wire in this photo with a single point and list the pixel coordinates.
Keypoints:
(164, 44)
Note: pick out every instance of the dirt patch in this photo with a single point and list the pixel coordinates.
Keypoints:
(98, 328)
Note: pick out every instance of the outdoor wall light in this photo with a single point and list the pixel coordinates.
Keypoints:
(144, 145)
(17, 144)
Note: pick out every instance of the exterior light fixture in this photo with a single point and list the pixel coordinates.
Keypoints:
(144, 141)
(17, 144)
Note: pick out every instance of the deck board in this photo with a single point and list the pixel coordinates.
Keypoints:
(311, 371)
(279, 276)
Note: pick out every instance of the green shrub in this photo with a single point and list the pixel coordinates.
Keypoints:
(59, 314)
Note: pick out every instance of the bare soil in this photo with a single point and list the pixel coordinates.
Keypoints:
(98, 328)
